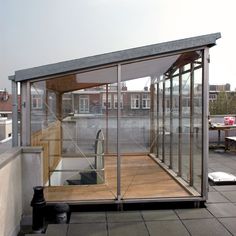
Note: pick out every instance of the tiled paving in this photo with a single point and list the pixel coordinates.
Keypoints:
(218, 218)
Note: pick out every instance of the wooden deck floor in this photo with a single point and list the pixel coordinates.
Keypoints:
(141, 177)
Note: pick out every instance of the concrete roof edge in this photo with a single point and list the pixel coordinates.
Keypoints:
(115, 57)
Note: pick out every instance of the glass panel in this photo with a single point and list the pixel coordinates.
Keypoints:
(135, 117)
(141, 118)
(77, 128)
(167, 123)
(197, 141)
(186, 126)
(154, 121)
(160, 121)
(175, 130)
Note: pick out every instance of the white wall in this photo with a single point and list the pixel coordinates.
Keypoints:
(10, 193)
(20, 170)
(59, 178)
(32, 174)
(5, 128)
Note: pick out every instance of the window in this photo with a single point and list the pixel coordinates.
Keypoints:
(212, 97)
(106, 103)
(146, 101)
(135, 101)
(116, 102)
(84, 104)
(37, 101)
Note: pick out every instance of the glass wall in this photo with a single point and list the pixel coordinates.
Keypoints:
(182, 108)
(105, 127)
(76, 123)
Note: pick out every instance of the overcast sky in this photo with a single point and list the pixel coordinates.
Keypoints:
(39, 32)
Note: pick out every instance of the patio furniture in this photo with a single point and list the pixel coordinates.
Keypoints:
(229, 141)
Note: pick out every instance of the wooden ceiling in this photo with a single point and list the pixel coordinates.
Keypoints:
(67, 83)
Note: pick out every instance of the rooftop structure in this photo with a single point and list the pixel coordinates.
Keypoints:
(93, 154)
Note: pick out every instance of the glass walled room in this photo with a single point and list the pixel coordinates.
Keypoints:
(141, 121)
(129, 126)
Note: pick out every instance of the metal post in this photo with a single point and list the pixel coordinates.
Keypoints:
(118, 133)
(163, 122)
(205, 138)
(171, 122)
(25, 114)
(152, 122)
(14, 114)
(191, 124)
(158, 117)
(106, 118)
(180, 123)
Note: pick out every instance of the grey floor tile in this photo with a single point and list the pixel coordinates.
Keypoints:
(211, 189)
(34, 234)
(127, 229)
(231, 195)
(195, 213)
(56, 230)
(87, 229)
(134, 216)
(214, 197)
(87, 217)
(171, 227)
(225, 188)
(203, 227)
(159, 215)
(222, 209)
(229, 223)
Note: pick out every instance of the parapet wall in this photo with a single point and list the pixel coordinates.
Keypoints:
(20, 170)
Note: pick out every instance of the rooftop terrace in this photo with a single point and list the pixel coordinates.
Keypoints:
(218, 218)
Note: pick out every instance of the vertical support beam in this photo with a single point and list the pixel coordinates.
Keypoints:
(118, 133)
(152, 122)
(25, 114)
(191, 124)
(46, 107)
(72, 102)
(14, 114)
(180, 152)
(171, 122)
(106, 118)
(205, 138)
(158, 117)
(59, 106)
(163, 121)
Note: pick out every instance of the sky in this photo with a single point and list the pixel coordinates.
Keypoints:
(40, 32)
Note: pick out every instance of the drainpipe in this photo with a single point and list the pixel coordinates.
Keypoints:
(38, 204)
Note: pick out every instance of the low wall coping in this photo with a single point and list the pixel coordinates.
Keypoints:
(12, 153)
(9, 155)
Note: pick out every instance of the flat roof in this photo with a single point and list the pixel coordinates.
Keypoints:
(117, 57)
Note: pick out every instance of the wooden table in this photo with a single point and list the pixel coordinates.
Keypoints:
(222, 127)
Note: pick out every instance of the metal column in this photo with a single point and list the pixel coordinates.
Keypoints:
(171, 122)
(180, 123)
(25, 114)
(191, 125)
(205, 144)
(157, 120)
(118, 133)
(163, 121)
(14, 114)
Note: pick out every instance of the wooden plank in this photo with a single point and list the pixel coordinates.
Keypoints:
(50, 139)
(141, 177)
